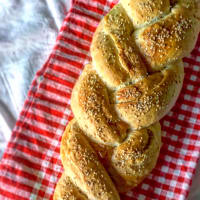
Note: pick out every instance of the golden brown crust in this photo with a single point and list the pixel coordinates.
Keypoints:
(147, 101)
(81, 164)
(170, 38)
(90, 104)
(66, 190)
(134, 79)
(128, 163)
(131, 161)
(160, 41)
(105, 54)
(139, 104)
(135, 158)
(114, 48)
(142, 12)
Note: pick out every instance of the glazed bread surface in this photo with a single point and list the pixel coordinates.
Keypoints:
(134, 79)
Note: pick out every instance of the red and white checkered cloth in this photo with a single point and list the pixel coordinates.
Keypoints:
(31, 166)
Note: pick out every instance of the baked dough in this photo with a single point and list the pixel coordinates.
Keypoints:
(134, 79)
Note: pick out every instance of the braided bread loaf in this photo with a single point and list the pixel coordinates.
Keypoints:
(135, 77)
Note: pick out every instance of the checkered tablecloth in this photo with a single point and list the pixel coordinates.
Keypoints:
(31, 166)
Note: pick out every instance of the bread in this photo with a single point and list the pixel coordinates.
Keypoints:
(134, 79)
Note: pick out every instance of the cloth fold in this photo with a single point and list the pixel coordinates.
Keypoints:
(28, 32)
